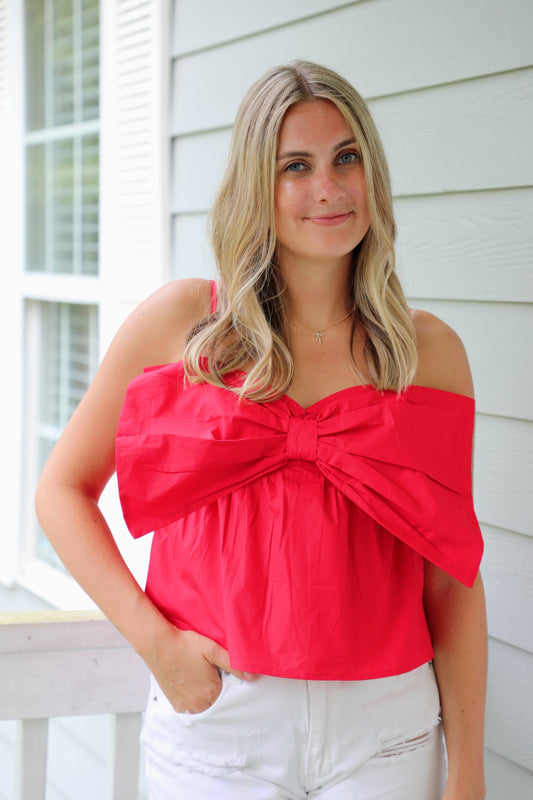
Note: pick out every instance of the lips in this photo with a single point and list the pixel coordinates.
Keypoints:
(329, 220)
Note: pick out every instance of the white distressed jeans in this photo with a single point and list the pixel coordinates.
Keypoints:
(283, 739)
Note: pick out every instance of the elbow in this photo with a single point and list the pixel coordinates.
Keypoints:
(39, 500)
(57, 496)
(43, 497)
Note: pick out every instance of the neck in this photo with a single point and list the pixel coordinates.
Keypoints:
(319, 296)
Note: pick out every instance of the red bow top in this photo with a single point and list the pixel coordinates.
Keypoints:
(296, 537)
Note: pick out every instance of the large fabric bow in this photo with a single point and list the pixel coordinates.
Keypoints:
(403, 459)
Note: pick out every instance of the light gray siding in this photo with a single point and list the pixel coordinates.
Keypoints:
(450, 85)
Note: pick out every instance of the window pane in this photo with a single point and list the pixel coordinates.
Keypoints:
(62, 40)
(90, 60)
(35, 206)
(34, 22)
(62, 197)
(62, 207)
(66, 358)
(89, 205)
(65, 338)
(63, 61)
(62, 88)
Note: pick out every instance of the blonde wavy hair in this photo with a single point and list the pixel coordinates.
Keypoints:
(248, 330)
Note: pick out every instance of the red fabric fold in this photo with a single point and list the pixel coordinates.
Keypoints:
(296, 537)
(404, 460)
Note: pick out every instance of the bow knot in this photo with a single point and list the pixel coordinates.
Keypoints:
(302, 438)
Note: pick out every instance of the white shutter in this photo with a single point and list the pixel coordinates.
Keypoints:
(134, 147)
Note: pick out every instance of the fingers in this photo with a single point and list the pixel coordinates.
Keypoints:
(244, 676)
(219, 657)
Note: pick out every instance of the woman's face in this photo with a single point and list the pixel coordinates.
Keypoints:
(320, 197)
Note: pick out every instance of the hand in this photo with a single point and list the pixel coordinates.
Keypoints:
(186, 666)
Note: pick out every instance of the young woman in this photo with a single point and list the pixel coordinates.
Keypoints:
(313, 608)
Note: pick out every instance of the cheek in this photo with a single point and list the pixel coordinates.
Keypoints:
(362, 200)
(286, 199)
(359, 190)
(283, 216)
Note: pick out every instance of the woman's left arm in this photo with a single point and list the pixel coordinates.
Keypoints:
(455, 613)
(457, 623)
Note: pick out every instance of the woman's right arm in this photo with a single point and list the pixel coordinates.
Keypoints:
(183, 663)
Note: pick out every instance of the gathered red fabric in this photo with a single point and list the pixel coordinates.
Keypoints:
(296, 537)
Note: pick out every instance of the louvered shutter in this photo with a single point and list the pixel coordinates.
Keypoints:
(135, 108)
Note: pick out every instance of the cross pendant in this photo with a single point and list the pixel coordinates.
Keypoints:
(318, 336)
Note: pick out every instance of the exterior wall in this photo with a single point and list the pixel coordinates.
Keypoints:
(450, 86)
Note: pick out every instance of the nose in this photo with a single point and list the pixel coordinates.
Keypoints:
(328, 185)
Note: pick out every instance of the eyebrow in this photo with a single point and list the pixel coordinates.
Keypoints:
(305, 154)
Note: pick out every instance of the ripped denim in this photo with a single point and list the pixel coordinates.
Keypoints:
(283, 739)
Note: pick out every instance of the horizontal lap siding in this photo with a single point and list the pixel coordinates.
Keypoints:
(507, 572)
(503, 387)
(200, 24)
(383, 46)
(459, 137)
(472, 245)
(510, 709)
(450, 86)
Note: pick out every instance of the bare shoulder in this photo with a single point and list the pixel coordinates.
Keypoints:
(157, 329)
(155, 333)
(442, 360)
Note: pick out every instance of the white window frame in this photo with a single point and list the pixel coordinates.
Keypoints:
(37, 575)
(121, 282)
(33, 573)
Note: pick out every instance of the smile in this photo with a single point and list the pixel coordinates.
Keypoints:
(330, 219)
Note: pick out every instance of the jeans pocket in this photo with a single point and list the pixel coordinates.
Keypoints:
(159, 704)
(181, 738)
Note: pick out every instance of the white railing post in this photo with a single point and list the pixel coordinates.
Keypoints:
(30, 759)
(123, 776)
(57, 664)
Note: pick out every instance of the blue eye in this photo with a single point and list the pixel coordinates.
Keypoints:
(296, 166)
(349, 158)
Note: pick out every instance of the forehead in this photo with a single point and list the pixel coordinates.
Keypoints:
(313, 122)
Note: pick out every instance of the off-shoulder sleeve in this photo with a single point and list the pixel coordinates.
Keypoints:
(404, 460)
(180, 446)
(430, 483)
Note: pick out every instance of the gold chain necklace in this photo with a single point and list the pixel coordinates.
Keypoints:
(319, 334)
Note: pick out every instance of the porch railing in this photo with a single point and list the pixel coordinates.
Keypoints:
(57, 664)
